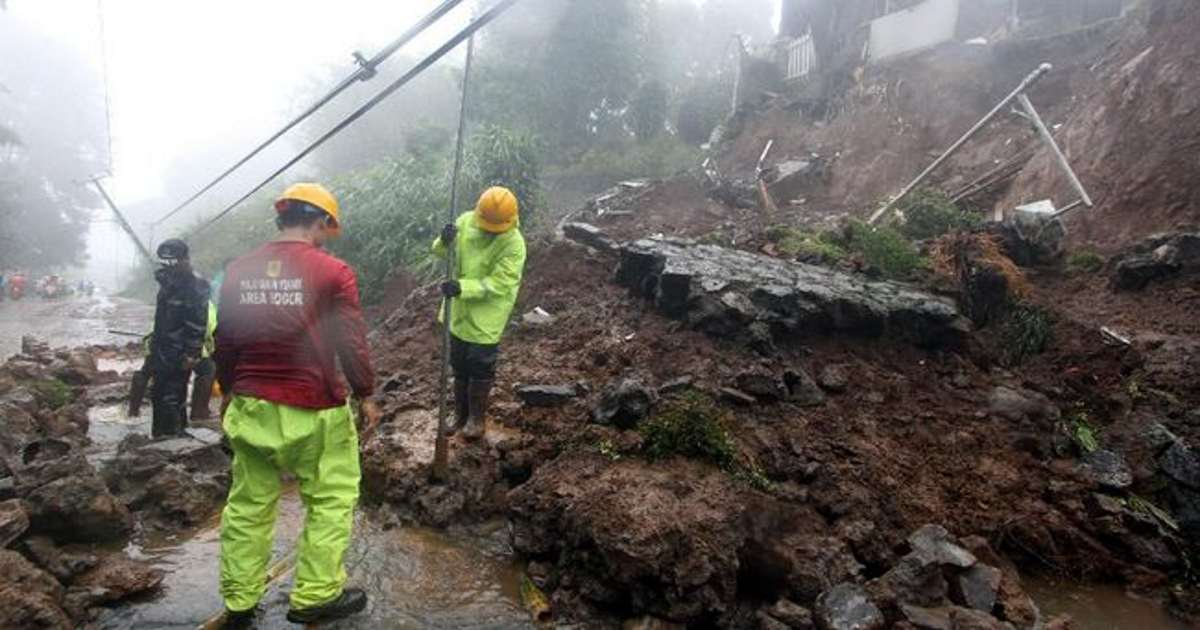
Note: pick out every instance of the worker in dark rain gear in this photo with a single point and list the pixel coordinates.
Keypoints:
(180, 323)
(490, 258)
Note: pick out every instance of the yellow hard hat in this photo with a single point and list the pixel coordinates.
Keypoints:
(497, 210)
(314, 195)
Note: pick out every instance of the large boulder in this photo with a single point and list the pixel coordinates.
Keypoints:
(14, 521)
(727, 292)
(78, 509)
(64, 496)
(652, 539)
(29, 597)
(115, 578)
(1157, 258)
(171, 482)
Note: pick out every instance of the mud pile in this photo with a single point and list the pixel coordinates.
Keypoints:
(51, 495)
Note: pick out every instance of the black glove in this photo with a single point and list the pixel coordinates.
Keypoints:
(449, 233)
(451, 289)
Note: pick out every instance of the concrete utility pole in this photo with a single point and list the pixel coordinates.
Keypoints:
(122, 222)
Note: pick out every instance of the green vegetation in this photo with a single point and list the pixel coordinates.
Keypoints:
(1085, 261)
(609, 450)
(1027, 331)
(882, 248)
(663, 156)
(52, 393)
(690, 426)
(804, 245)
(1083, 434)
(929, 213)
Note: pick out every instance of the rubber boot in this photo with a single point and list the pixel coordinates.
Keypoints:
(201, 394)
(477, 396)
(351, 601)
(137, 392)
(461, 406)
(238, 620)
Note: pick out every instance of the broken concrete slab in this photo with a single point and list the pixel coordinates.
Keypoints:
(723, 292)
(589, 235)
(793, 179)
(977, 587)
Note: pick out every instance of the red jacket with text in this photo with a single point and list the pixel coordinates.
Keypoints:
(289, 312)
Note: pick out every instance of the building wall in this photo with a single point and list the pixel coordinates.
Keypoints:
(922, 26)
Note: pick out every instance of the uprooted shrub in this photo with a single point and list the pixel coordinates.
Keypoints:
(930, 213)
(988, 280)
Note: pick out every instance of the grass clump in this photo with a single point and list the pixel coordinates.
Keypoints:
(1086, 261)
(930, 213)
(1027, 331)
(796, 243)
(691, 426)
(53, 393)
(883, 248)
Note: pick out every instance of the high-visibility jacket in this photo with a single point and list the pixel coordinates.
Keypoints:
(210, 343)
(489, 270)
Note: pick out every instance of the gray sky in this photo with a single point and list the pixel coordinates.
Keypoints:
(185, 74)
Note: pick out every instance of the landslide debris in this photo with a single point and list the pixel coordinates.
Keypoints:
(51, 494)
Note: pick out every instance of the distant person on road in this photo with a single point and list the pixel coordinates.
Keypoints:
(490, 260)
(289, 313)
(180, 320)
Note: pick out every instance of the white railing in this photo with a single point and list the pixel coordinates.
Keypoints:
(801, 57)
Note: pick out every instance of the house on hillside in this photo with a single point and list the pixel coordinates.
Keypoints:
(833, 37)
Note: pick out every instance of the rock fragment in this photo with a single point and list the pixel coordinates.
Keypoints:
(847, 607)
(545, 395)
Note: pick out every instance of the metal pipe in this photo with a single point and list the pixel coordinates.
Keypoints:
(1044, 131)
(1071, 206)
(1025, 84)
(438, 472)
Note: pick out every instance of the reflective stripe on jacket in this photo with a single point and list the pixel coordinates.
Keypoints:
(490, 267)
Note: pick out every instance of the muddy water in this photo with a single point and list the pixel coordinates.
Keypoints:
(415, 578)
(1099, 607)
(71, 322)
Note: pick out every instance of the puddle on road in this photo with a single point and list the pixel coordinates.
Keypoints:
(71, 322)
(414, 578)
(1099, 607)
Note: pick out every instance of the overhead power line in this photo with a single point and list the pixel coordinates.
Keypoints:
(451, 44)
(366, 70)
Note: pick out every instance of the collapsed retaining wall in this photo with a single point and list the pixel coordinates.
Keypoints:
(731, 293)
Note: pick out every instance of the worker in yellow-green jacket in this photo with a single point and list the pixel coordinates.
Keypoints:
(490, 255)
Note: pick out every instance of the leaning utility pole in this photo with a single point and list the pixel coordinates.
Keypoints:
(121, 220)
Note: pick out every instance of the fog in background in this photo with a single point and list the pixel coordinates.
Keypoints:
(193, 85)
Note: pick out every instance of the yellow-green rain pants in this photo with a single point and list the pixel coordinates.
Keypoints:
(321, 449)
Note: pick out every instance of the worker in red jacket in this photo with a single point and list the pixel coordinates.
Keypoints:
(289, 312)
